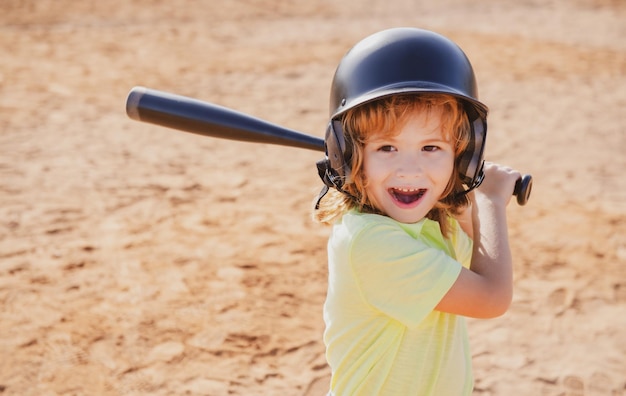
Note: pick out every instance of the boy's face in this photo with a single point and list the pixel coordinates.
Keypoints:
(407, 172)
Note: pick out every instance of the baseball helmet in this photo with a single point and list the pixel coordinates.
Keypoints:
(402, 61)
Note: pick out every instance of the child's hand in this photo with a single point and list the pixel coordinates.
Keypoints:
(498, 184)
(486, 289)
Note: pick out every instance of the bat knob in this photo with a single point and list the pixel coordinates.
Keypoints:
(523, 187)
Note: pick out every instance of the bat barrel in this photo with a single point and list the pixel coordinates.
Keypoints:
(208, 119)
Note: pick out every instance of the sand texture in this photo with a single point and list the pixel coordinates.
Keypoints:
(140, 260)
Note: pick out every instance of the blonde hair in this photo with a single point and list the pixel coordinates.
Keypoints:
(384, 117)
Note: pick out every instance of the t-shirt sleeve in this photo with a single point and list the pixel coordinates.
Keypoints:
(399, 275)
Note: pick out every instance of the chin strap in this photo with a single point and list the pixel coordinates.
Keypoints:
(323, 167)
(326, 174)
(320, 196)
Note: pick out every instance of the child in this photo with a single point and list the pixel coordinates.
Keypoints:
(412, 250)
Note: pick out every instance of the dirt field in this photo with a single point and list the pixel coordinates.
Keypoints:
(139, 260)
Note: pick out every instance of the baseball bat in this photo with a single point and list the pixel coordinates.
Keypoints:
(208, 119)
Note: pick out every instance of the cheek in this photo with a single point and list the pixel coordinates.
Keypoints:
(371, 176)
(444, 168)
(368, 169)
(450, 166)
(375, 172)
(447, 170)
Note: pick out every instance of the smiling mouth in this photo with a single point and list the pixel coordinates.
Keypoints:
(407, 195)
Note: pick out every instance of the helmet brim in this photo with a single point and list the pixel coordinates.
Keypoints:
(407, 88)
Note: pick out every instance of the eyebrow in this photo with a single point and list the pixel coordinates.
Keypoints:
(438, 140)
(392, 139)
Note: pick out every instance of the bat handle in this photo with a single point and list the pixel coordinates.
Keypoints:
(523, 187)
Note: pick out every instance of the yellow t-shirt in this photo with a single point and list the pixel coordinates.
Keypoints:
(383, 336)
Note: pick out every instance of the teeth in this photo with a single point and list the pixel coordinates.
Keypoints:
(408, 190)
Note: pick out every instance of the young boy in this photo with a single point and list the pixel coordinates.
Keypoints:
(419, 239)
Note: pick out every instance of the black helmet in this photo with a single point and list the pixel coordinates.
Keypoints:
(402, 61)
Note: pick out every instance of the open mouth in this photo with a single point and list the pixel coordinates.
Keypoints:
(407, 195)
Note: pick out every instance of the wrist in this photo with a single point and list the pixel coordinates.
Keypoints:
(482, 200)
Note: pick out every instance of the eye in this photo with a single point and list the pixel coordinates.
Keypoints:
(387, 148)
(430, 148)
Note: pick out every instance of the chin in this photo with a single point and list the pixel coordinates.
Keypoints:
(408, 218)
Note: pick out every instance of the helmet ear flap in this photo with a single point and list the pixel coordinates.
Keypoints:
(336, 166)
(470, 162)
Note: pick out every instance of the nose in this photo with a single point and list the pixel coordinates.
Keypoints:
(409, 165)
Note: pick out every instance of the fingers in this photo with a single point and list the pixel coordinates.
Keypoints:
(499, 181)
(501, 171)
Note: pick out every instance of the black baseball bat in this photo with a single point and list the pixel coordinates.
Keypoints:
(208, 119)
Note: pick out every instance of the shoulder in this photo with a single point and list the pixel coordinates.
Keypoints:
(372, 235)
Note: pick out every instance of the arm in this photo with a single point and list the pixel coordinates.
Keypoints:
(486, 289)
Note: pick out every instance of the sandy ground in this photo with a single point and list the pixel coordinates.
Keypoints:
(135, 259)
